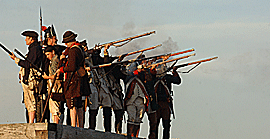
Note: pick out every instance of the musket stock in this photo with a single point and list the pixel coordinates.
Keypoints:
(5, 49)
(100, 46)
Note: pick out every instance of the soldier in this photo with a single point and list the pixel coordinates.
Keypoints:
(115, 74)
(30, 83)
(94, 81)
(54, 106)
(105, 98)
(75, 85)
(164, 97)
(136, 100)
(148, 77)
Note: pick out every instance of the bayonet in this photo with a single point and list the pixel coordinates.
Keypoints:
(40, 18)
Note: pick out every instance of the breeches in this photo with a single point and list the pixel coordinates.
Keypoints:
(117, 103)
(29, 98)
(135, 113)
(105, 99)
(54, 107)
(164, 111)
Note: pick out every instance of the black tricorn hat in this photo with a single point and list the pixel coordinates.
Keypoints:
(30, 34)
(69, 36)
(83, 43)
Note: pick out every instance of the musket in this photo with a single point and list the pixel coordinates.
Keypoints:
(121, 57)
(164, 62)
(33, 65)
(5, 49)
(126, 40)
(47, 100)
(166, 56)
(195, 62)
(152, 57)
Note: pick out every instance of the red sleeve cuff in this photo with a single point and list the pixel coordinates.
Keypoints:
(62, 69)
(135, 72)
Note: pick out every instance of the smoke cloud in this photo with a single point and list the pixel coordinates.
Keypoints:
(129, 29)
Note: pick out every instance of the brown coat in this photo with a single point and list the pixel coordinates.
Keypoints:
(76, 86)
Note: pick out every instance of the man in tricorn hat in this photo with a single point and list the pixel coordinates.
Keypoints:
(51, 40)
(28, 82)
(75, 85)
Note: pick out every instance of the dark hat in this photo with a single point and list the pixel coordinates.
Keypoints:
(49, 32)
(83, 43)
(59, 49)
(49, 48)
(69, 36)
(30, 34)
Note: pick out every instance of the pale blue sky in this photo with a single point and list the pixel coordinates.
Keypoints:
(225, 99)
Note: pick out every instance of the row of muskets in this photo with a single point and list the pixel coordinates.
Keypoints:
(165, 57)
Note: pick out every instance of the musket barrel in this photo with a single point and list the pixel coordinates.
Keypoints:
(171, 60)
(196, 62)
(142, 50)
(200, 61)
(182, 52)
(5, 49)
(99, 46)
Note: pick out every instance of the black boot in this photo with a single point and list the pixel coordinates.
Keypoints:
(136, 130)
(152, 117)
(130, 130)
(166, 128)
(92, 119)
(118, 121)
(107, 113)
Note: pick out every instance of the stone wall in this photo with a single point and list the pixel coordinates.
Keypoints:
(51, 131)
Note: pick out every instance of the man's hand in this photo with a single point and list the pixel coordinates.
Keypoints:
(45, 76)
(88, 68)
(107, 46)
(62, 56)
(174, 69)
(12, 56)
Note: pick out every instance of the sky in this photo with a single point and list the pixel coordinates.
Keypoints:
(227, 98)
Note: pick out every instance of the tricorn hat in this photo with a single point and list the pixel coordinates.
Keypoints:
(83, 43)
(69, 36)
(30, 34)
